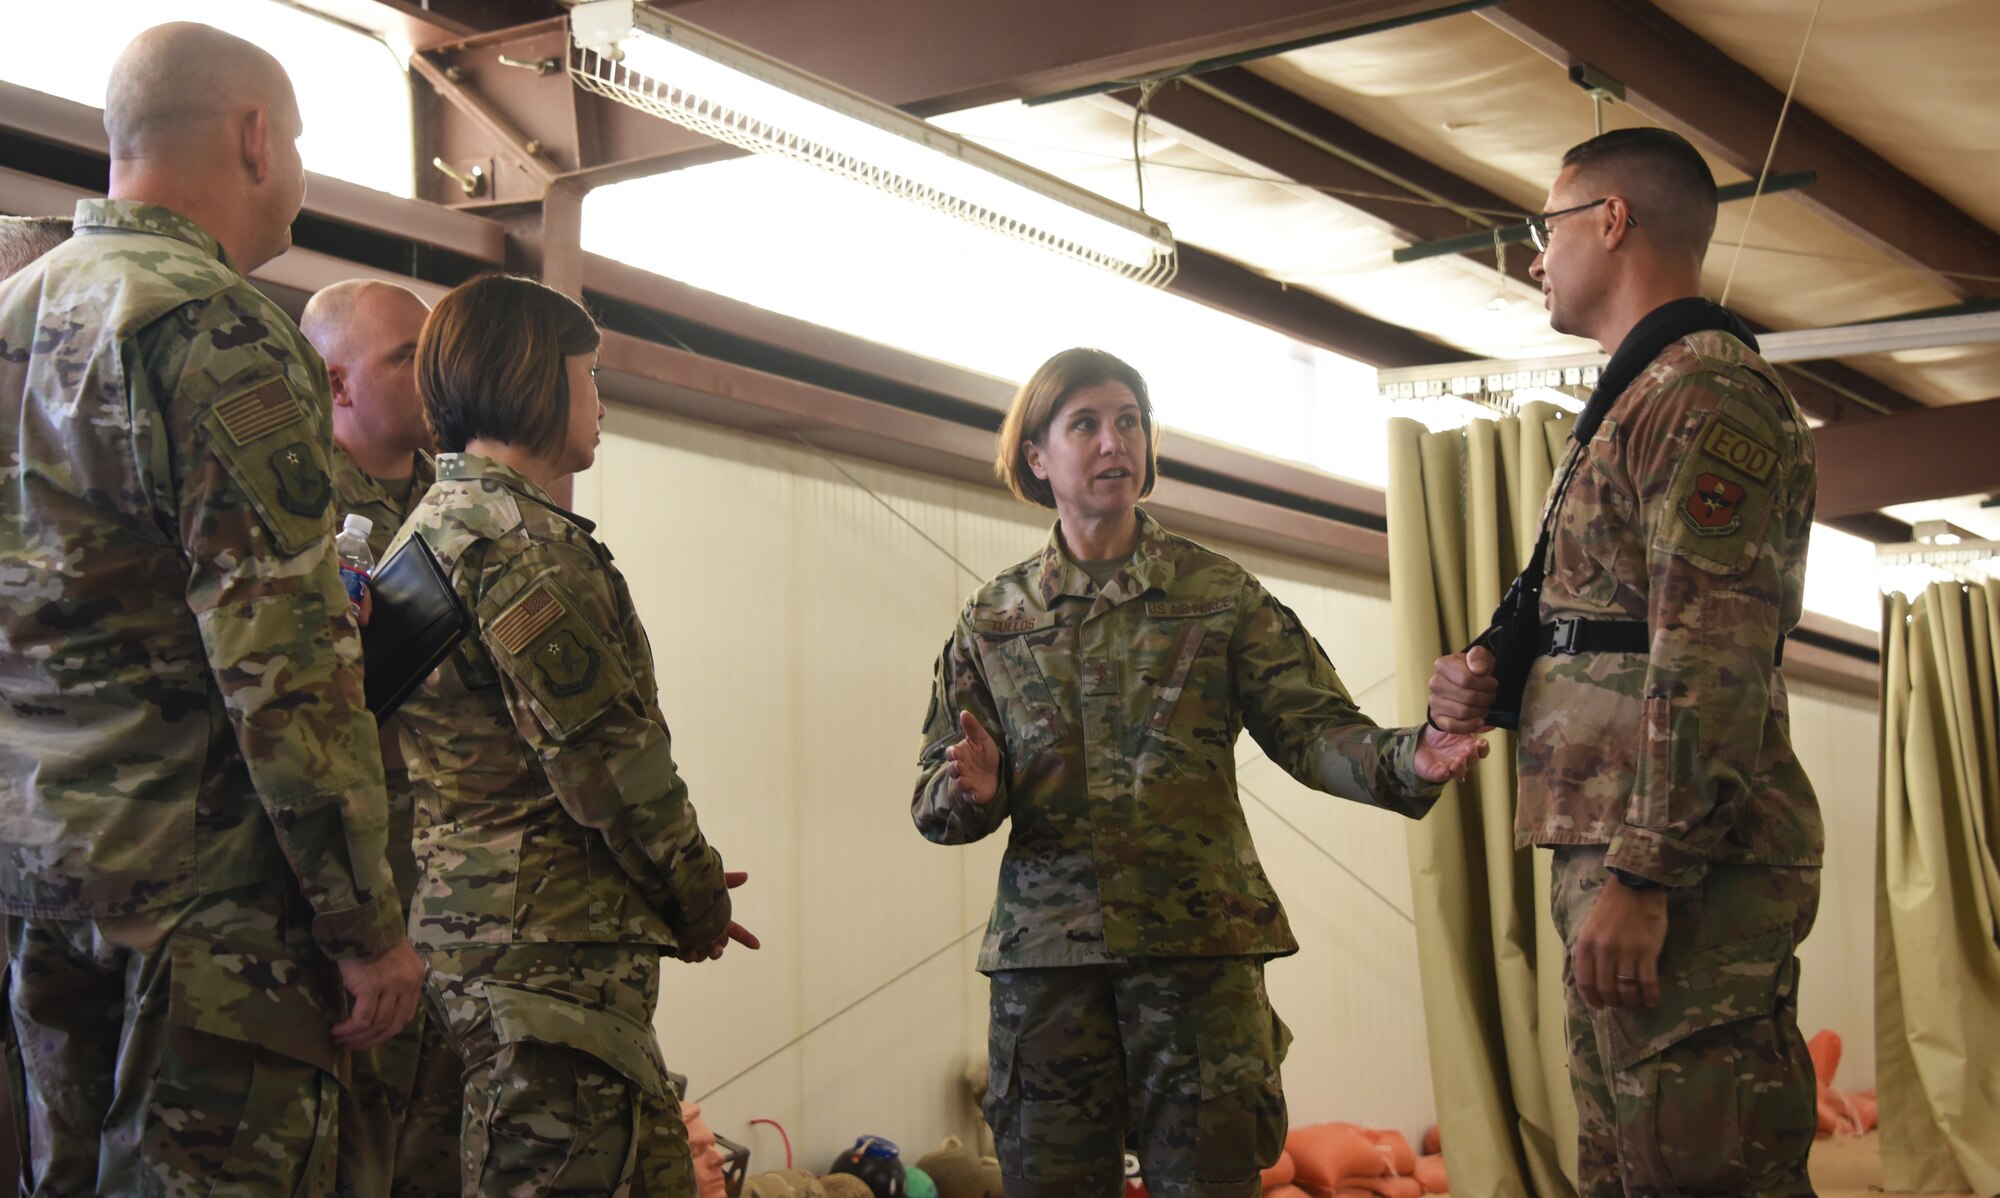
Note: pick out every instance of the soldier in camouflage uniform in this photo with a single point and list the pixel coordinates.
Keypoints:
(1093, 695)
(22, 240)
(191, 803)
(1687, 836)
(558, 852)
(399, 1118)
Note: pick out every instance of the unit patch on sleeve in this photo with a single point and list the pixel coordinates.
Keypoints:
(1711, 507)
(303, 487)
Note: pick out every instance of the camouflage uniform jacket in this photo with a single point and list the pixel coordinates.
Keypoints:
(1117, 712)
(548, 807)
(359, 494)
(174, 639)
(1690, 511)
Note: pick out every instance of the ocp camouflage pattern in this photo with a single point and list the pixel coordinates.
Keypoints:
(1117, 712)
(1690, 510)
(548, 806)
(183, 706)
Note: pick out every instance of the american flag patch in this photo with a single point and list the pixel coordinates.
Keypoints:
(259, 412)
(530, 615)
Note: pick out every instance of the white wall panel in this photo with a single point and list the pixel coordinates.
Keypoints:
(796, 616)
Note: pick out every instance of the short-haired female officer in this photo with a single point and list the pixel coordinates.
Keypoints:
(559, 855)
(1093, 694)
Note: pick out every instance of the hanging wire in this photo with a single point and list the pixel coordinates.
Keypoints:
(1769, 153)
(1146, 91)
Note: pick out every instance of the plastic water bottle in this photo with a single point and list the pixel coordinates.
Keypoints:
(357, 562)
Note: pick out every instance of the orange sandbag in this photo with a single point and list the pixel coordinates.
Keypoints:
(1327, 1154)
(1865, 1107)
(1286, 1191)
(1433, 1141)
(1395, 1148)
(1430, 1174)
(1280, 1173)
(1824, 1049)
(1385, 1187)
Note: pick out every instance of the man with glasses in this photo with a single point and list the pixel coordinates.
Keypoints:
(1655, 754)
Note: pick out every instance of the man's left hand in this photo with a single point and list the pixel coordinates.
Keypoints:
(1616, 961)
(1442, 756)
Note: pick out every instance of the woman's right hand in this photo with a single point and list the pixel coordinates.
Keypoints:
(974, 763)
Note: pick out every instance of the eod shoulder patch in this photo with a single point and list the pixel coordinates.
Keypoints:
(1722, 497)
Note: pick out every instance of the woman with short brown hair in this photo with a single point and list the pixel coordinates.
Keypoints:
(560, 857)
(1093, 695)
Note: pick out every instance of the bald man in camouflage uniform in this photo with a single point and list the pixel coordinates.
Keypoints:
(1655, 752)
(399, 1119)
(191, 803)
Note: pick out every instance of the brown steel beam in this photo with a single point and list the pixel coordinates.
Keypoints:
(1676, 78)
(900, 52)
(1297, 139)
(1227, 287)
(1286, 134)
(1937, 453)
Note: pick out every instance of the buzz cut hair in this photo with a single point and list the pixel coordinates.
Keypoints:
(1662, 178)
(26, 238)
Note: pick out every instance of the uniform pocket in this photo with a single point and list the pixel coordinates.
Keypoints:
(1001, 1105)
(1242, 1121)
(1032, 717)
(1716, 1074)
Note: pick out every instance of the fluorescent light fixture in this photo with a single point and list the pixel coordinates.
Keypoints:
(629, 53)
(1503, 386)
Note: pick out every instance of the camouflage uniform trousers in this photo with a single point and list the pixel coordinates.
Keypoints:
(399, 1120)
(1711, 1091)
(178, 1051)
(1182, 1052)
(565, 1092)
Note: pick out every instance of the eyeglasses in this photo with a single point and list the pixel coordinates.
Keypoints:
(1538, 224)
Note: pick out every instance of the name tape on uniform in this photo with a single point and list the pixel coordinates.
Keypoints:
(530, 615)
(1727, 445)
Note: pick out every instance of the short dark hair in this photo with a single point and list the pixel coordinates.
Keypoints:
(1035, 406)
(26, 238)
(490, 362)
(1662, 176)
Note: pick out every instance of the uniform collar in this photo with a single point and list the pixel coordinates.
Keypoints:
(366, 488)
(1152, 566)
(135, 217)
(472, 467)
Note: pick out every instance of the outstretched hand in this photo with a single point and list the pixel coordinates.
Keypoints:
(1442, 756)
(974, 763)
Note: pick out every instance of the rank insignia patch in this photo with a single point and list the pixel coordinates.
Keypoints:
(1711, 509)
(303, 488)
(567, 665)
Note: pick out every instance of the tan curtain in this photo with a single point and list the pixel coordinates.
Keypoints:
(1463, 510)
(1937, 935)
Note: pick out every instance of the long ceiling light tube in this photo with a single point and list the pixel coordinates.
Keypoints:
(627, 52)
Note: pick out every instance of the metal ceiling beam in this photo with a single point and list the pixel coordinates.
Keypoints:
(897, 51)
(1224, 285)
(1937, 453)
(1681, 81)
(1292, 137)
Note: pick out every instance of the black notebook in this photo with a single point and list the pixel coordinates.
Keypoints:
(416, 622)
